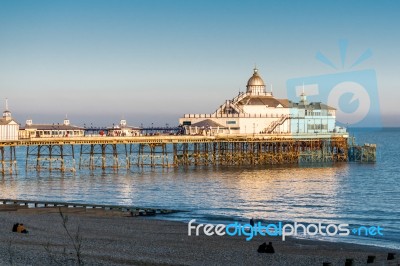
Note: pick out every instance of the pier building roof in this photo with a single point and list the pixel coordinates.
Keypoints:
(267, 100)
(312, 106)
(4, 122)
(64, 126)
(52, 127)
(207, 123)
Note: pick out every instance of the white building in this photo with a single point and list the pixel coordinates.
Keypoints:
(65, 129)
(9, 128)
(123, 130)
(257, 111)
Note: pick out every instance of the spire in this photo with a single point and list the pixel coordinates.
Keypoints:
(255, 69)
(303, 97)
(7, 113)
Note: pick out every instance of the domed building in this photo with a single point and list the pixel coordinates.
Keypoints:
(257, 111)
(255, 85)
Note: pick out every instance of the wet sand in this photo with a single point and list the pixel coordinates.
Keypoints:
(113, 238)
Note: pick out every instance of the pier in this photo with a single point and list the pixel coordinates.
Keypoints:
(253, 128)
(71, 154)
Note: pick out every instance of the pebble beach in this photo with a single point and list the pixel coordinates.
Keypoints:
(115, 238)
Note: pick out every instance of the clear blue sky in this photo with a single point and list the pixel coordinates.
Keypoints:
(152, 61)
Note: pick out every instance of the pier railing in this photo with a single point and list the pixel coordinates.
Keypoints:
(167, 139)
(244, 115)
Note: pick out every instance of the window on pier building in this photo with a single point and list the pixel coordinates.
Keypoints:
(317, 126)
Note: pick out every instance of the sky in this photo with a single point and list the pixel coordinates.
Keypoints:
(152, 61)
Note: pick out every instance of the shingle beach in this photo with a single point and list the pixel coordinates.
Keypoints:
(113, 238)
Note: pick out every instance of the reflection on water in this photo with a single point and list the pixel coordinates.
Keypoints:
(288, 194)
(284, 193)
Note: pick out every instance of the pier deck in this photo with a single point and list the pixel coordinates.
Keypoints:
(168, 139)
(170, 151)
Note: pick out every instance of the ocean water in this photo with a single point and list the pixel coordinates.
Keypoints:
(350, 193)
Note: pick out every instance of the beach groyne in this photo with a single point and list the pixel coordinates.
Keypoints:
(14, 204)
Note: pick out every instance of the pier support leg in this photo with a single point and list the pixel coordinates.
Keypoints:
(8, 160)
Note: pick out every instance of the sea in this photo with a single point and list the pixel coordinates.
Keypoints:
(362, 195)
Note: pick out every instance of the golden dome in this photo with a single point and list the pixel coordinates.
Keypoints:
(255, 83)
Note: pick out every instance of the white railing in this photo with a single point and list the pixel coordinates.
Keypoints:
(274, 124)
(233, 102)
(231, 115)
